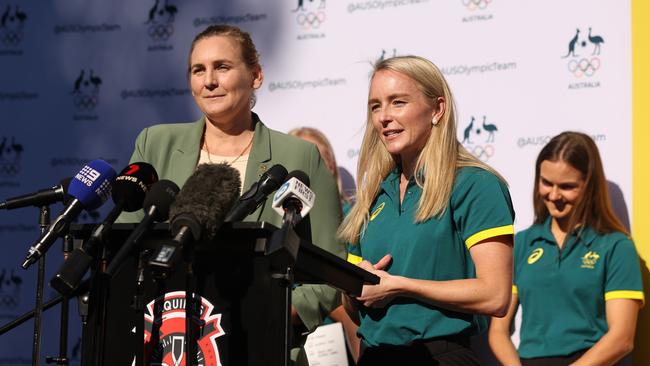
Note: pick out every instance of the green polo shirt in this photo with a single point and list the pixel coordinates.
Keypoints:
(438, 249)
(563, 292)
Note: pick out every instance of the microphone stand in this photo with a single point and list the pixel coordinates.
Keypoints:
(62, 359)
(190, 306)
(46, 306)
(138, 301)
(44, 219)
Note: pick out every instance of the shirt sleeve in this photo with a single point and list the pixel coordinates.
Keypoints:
(623, 278)
(354, 253)
(481, 206)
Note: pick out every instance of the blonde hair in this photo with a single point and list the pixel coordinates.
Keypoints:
(436, 164)
(327, 153)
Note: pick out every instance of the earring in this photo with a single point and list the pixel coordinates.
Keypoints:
(434, 121)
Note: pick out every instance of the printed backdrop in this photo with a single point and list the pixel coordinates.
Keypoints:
(79, 79)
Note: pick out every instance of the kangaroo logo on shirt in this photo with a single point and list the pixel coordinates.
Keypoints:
(376, 212)
(589, 260)
(535, 255)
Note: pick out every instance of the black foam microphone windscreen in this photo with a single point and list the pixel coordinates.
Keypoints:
(207, 195)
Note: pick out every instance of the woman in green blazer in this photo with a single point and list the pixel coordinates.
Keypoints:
(224, 72)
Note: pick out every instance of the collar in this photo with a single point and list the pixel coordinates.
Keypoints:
(585, 235)
(390, 184)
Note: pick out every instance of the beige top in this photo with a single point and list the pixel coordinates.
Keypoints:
(238, 163)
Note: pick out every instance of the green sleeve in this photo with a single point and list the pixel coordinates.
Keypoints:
(481, 206)
(623, 272)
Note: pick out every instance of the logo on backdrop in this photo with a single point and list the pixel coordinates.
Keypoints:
(311, 16)
(10, 155)
(473, 5)
(169, 320)
(478, 138)
(10, 284)
(583, 58)
(477, 9)
(160, 25)
(386, 54)
(12, 24)
(85, 95)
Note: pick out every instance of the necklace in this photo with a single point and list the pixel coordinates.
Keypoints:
(205, 144)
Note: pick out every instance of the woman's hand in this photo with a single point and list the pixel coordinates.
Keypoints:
(379, 295)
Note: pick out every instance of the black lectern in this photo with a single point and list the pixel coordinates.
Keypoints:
(242, 283)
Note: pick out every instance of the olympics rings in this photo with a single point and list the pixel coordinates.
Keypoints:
(476, 4)
(484, 153)
(311, 20)
(160, 32)
(584, 67)
(86, 102)
(8, 301)
(12, 37)
(9, 169)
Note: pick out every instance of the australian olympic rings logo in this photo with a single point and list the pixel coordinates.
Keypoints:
(483, 152)
(476, 4)
(86, 102)
(160, 32)
(9, 169)
(584, 67)
(8, 301)
(11, 37)
(311, 19)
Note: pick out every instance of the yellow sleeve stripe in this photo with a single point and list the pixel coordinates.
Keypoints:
(354, 259)
(514, 290)
(489, 233)
(634, 295)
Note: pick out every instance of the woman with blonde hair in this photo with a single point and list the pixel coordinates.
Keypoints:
(577, 274)
(430, 219)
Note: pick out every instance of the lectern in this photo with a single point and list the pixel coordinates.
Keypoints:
(242, 282)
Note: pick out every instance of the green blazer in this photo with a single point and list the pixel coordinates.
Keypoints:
(173, 150)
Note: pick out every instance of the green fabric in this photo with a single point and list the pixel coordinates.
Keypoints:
(562, 292)
(173, 150)
(436, 249)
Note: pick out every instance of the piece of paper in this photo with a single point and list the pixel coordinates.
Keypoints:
(326, 346)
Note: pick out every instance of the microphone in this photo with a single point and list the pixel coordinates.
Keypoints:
(39, 198)
(128, 193)
(257, 193)
(89, 188)
(156, 205)
(294, 199)
(198, 212)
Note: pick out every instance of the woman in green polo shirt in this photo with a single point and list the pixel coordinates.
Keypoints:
(577, 274)
(431, 220)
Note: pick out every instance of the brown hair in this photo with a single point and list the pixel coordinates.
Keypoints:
(327, 154)
(594, 208)
(248, 51)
